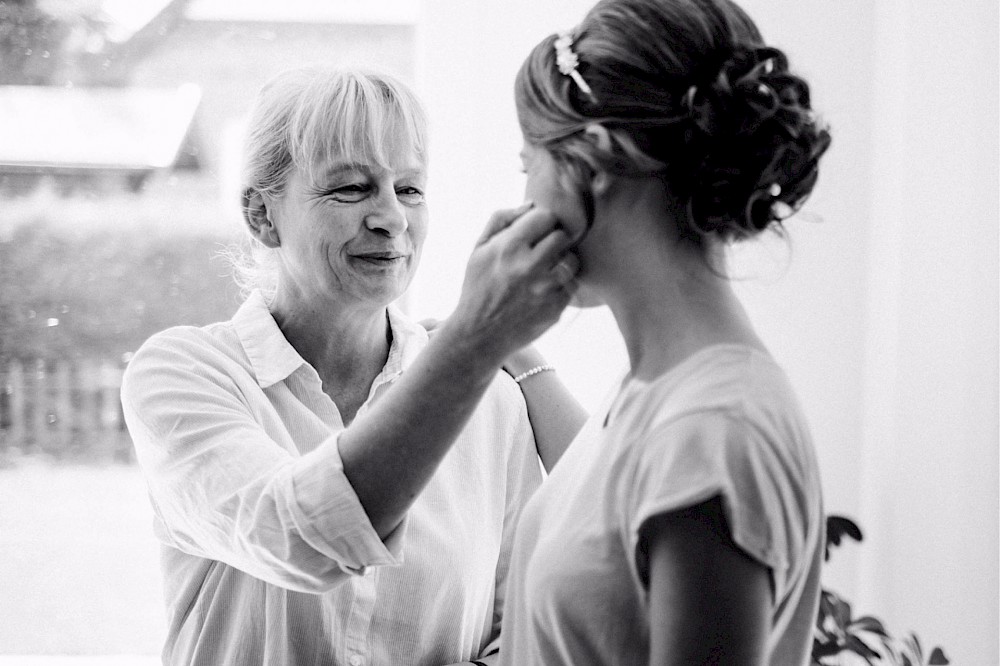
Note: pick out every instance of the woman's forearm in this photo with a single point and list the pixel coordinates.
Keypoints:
(390, 452)
(510, 296)
(556, 416)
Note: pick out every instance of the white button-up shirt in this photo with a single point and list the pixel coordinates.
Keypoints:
(268, 556)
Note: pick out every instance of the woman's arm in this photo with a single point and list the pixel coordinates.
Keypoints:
(556, 416)
(709, 602)
(227, 491)
(510, 296)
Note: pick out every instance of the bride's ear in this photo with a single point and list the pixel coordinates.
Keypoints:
(600, 181)
(258, 218)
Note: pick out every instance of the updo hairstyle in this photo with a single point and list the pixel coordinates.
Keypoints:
(308, 117)
(687, 90)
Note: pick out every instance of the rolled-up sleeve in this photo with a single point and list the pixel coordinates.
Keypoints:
(224, 489)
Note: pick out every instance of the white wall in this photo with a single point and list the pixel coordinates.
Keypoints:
(930, 475)
(884, 312)
(469, 53)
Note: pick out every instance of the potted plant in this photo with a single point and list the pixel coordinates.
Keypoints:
(838, 633)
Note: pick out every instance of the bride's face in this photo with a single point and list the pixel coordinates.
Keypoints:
(548, 186)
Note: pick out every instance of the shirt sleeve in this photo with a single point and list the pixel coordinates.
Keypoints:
(224, 490)
(524, 476)
(702, 455)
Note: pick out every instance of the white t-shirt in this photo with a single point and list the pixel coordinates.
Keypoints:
(722, 423)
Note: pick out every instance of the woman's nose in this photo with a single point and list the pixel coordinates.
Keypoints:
(388, 217)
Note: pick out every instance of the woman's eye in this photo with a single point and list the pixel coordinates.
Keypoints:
(410, 195)
(353, 192)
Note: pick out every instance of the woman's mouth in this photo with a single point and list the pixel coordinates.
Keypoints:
(381, 258)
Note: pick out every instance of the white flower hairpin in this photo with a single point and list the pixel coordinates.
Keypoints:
(567, 61)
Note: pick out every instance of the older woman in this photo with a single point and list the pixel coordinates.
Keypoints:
(684, 524)
(330, 486)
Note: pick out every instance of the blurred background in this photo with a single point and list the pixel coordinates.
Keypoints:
(120, 124)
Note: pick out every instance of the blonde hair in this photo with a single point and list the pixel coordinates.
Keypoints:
(307, 117)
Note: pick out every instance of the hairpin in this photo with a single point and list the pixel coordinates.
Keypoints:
(567, 61)
(779, 209)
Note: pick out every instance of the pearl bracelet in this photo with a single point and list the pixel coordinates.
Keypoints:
(534, 371)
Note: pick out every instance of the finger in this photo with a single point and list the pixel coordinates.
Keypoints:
(566, 269)
(502, 219)
(532, 227)
(552, 247)
(570, 262)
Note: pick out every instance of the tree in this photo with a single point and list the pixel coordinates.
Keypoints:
(43, 42)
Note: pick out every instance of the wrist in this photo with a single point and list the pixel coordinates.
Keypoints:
(473, 352)
(531, 372)
(523, 360)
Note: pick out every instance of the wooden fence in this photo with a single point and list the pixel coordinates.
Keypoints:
(65, 409)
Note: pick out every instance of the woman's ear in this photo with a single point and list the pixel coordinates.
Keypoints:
(258, 218)
(600, 181)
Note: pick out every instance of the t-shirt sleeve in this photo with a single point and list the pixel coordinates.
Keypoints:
(698, 456)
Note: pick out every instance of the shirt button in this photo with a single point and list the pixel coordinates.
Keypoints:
(357, 660)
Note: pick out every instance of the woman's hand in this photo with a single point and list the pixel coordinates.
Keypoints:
(517, 282)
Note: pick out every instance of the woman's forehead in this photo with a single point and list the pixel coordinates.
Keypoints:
(397, 160)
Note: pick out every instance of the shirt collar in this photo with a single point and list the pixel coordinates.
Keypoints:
(408, 339)
(273, 358)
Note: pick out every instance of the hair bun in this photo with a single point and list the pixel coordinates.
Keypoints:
(721, 107)
(759, 144)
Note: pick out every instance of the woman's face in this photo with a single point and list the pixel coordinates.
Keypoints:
(549, 187)
(354, 234)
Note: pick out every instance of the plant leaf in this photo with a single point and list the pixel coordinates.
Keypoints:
(872, 625)
(859, 647)
(842, 613)
(837, 527)
(938, 658)
(826, 650)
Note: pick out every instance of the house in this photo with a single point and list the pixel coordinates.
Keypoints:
(163, 85)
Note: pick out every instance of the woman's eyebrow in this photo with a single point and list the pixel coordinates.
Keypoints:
(411, 172)
(343, 167)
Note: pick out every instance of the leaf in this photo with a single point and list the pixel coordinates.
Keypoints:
(842, 613)
(859, 647)
(830, 620)
(937, 658)
(872, 625)
(821, 650)
(837, 527)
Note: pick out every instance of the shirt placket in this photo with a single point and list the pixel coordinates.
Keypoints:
(356, 645)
